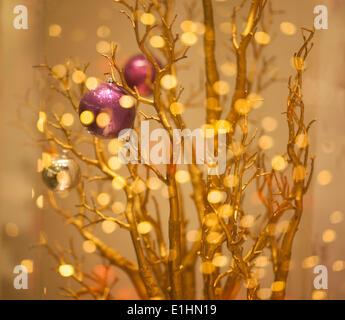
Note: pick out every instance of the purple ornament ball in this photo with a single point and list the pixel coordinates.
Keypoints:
(104, 111)
(140, 73)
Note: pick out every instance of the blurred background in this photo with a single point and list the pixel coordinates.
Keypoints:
(83, 29)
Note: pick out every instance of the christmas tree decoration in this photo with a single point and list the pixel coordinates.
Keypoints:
(63, 173)
(140, 73)
(107, 110)
(246, 184)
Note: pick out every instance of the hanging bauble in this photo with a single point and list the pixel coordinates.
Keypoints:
(140, 73)
(107, 110)
(62, 174)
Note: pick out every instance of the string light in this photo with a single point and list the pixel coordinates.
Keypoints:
(262, 38)
(278, 286)
(28, 264)
(103, 119)
(214, 196)
(127, 102)
(264, 293)
(11, 229)
(91, 83)
(336, 217)
(42, 117)
(225, 211)
(176, 108)
(324, 177)
(242, 106)
(157, 42)
(193, 235)
(78, 76)
(86, 117)
(221, 87)
(269, 124)
(55, 30)
(118, 207)
(59, 71)
(67, 119)
(328, 236)
(230, 181)
(103, 199)
(266, 142)
(223, 126)
(189, 38)
(247, 221)
(255, 100)
(188, 26)
(40, 201)
(108, 226)
(153, 183)
(310, 262)
(89, 246)
(114, 146)
(220, 261)
(228, 69)
(114, 163)
(103, 32)
(288, 28)
(144, 227)
(278, 163)
(210, 220)
(103, 47)
(147, 19)
(66, 270)
(319, 295)
(168, 81)
(182, 176)
(338, 265)
(301, 140)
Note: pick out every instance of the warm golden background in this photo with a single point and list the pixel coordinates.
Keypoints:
(320, 237)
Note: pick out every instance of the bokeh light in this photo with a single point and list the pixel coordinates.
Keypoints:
(86, 117)
(288, 28)
(182, 176)
(28, 264)
(89, 246)
(55, 30)
(67, 119)
(328, 235)
(108, 226)
(144, 227)
(157, 42)
(168, 81)
(66, 270)
(262, 38)
(324, 177)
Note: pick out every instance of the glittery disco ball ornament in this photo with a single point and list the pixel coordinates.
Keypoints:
(63, 173)
(107, 110)
(140, 73)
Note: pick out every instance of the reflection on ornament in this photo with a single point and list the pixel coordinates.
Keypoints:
(140, 73)
(63, 173)
(100, 110)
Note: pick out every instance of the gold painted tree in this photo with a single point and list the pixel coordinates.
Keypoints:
(166, 267)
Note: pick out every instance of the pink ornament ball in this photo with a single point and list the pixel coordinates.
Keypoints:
(140, 73)
(101, 112)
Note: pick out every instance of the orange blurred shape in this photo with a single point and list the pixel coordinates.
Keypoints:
(105, 273)
(126, 293)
